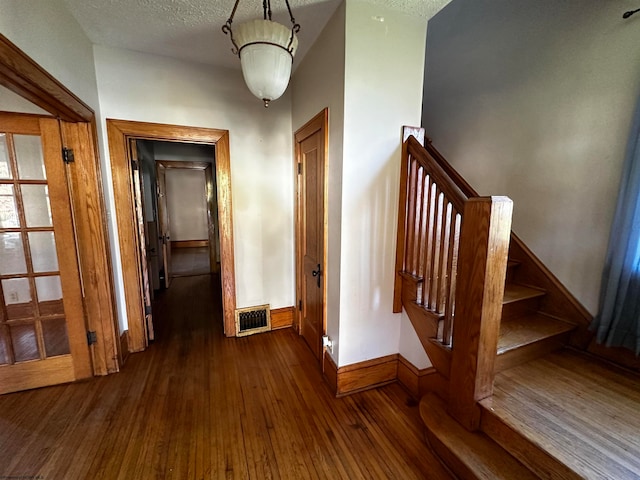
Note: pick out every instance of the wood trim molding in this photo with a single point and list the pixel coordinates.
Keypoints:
(319, 122)
(118, 132)
(124, 347)
(176, 164)
(91, 231)
(330, 372)
(282, 317)
(361, 376)
(378, 372)
(414, 380)
(20, 74)
(189, 243)
(23, 76)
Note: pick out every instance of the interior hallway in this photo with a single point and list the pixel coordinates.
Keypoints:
(196, 406)
(190, 261)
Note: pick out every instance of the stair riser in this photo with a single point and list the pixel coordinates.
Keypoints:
(520, 308)
(470, 455)
(538, 461)
(511, 273)
(526, 353)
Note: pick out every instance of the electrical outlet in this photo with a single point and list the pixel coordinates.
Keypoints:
(13, 296)
(327, 343)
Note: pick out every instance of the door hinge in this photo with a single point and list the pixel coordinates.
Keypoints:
(147, 310)
(92, 337)
(300, 305)
(134, 165)
(299, 168)
(67, 155)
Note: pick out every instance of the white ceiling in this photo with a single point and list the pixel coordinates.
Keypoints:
(191, 29)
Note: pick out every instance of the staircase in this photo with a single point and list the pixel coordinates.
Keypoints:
(493, 318)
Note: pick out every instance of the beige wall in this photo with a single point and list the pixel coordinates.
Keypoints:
(149, 88)
(10, 102)
(187, 204)
(534, 100)
(48, 33)
(318, 83)
(353, 69)
(383, 84)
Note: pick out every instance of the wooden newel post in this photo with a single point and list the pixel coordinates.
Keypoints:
(418, 133)
(482, 265)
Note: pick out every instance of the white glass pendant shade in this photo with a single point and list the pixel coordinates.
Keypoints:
(266, 57)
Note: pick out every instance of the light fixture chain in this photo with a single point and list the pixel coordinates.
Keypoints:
(226, 29)
(266, 9)
(293, 20)
(295, 28)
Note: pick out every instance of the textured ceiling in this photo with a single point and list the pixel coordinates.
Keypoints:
(191, 29)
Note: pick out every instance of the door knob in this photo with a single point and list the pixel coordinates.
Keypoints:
(317, 273)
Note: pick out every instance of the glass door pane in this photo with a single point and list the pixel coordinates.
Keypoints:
(32, 321)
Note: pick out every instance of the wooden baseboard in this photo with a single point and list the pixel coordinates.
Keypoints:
(189, 243)
(124, 346)
(282, 317)
(375, 373)
(414, 380)
(362, 376)
(617, 355)
(330, 371)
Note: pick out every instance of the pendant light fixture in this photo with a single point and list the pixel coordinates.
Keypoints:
(266, 49)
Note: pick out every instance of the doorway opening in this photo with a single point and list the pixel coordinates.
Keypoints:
(131, 225)
(176, 211)
(180, 208)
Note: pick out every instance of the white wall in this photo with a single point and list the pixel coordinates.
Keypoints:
(149, 88)
(534, 100)
(318, 83)
(11, 102)
(384, 64)
(187, 204)
(48, 33)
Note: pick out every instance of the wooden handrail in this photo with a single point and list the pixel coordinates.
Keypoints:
(451, 261)
(444, 180)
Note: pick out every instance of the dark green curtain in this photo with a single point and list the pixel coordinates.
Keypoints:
(618, 321)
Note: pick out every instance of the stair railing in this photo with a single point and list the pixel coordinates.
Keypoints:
(452, 250)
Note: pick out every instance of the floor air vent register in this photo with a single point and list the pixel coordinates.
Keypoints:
(253, 320)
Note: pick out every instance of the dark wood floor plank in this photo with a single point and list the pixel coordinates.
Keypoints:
(197, 406)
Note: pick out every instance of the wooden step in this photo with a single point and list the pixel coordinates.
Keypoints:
(520, 300)
(567, 416)
(469, 455)
(512, 267)
(529, 337)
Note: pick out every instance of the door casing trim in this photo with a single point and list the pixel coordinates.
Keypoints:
(118, 133)
(318, 122)
(23, 76)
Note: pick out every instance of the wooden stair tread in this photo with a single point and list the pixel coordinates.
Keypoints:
(575, 417)
(514, 292)
(470, 455)
(529, 329)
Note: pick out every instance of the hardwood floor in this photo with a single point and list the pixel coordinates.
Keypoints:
(196, 406)
(190, 261)
(581, 413)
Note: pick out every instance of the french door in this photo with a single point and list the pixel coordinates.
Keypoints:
(43, 337)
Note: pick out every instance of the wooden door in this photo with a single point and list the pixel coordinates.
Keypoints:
(43, 338)
(136, 182)
(163, 218)
(310, 155)
(212, 219)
